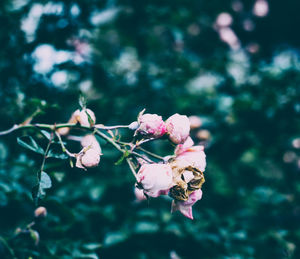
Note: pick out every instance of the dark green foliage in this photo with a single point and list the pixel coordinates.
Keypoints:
(167, 57)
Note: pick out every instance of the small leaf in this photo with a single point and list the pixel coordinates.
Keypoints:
(35, 236)
(45, 182)
(59, 176)
(38, 191)
(92, 246)
(82, 101)
(46, 134)
(114, 238)
(91, 121)
(32, 145)
(121, 159)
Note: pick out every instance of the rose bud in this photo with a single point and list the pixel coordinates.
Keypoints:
(178, 128)
(90, 155)
(40, 212)
(82, 117)
(185, 207)
(156, 179)
(87, 159)
(195, 122)
(91, 142)
(151, 125)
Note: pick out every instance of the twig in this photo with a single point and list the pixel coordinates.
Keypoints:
(150, 153)
(5, 132)
(108, 139)
(101, 126)
(141, 156)
(138, 143)
(131, 166)
(64, 149)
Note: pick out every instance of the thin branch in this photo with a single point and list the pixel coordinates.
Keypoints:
(150, 153)
(101, 126)
(131, 166)
(64, 149)
(108, 139)
(5, 132)
(143, 141)
(142, 156)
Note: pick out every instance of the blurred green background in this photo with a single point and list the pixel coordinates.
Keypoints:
(236, 64)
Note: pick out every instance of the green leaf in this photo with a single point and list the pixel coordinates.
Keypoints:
(92, 246)
(82, 101)
(45, 182)
(59, 176)
(121, 159)
(114, 238)
(30, 144)
(46, 134)
(38, 191)
(91, 121)
(35, 236)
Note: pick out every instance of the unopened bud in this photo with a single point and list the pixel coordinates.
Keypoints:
(91, 158)
(84, 118)
(40, 212)
(151, 125)
(178, 127)
(134, 125)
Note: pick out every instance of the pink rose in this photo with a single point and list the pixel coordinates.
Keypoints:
(156, 179)
(185, 207)
(151, 125)
(178, 128)
(191, 155)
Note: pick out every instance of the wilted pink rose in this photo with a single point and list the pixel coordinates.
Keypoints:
(156, 179)
(185, 207)
(191, 155)
(151, 125)
(178, 128)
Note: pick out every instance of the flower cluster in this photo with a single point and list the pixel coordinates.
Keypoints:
(180, 176)
(176, 127)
